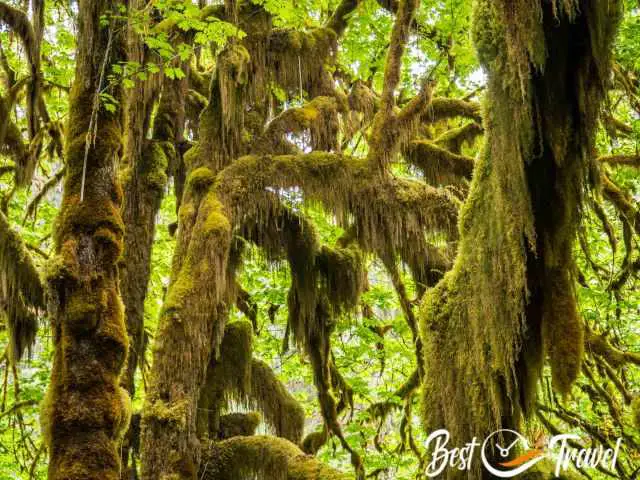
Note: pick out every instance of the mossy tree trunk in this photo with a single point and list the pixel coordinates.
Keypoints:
(509, 302)
(86, 411)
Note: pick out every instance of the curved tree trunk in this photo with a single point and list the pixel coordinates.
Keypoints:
(86, 411)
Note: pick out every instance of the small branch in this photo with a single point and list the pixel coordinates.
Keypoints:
(627, 160)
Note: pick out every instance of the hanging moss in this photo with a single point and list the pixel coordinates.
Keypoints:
(297, 59)
(200, 178)
(281, 411)
(342, 273)
(235, 377)
(315, 441)
(563, 332)
(318, 117)
(385, 210)
(21, 289)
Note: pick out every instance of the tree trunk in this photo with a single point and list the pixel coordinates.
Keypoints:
(508, 301)
(86, 411)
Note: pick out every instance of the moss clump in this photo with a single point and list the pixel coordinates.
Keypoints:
(200, 179)
(342, 275)
(83, 309)
(155, 163)
(164, 412)
(280, 409)
(319, 117)
(238, 424)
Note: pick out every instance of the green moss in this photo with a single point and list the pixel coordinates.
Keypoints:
(166, 412)
(563, 333)
(263, 457)
(238, 424)
(280, 409)
(88, 215)
(192, 157)
(216, 222)
(200, 178)
(180, 289)
(154, 164)
(83, 309)
(482, 326)
(635, 411)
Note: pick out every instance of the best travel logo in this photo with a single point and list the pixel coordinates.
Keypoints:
(498, 449)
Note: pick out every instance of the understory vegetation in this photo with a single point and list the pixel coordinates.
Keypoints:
(289, 239)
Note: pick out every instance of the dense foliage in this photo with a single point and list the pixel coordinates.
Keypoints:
(374, 351)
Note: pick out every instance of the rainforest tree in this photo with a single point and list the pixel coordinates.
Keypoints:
(291, 239)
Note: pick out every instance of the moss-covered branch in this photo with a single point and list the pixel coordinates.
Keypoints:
(384, 210)
(438, 165)
(262, 457)
(442, 108)
(625, 160)
(600, 345)
(339, 19)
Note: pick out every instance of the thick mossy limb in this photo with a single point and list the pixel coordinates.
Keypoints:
(482, 325)
(21, 290)
(280, 409)
(190, 330)
(442, 108)
(382, 210)
(438, 165)
(234, 377)
(262, 457)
